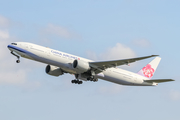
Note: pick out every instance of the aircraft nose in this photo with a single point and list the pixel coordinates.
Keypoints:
(9, 47)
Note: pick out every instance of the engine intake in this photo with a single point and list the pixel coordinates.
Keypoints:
(53, 70)
(81, 66)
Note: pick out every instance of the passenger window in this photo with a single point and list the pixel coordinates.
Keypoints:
(14, 43)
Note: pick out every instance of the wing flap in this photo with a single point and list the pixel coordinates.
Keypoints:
(159, 80)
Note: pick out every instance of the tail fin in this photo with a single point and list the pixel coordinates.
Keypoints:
(149, 70)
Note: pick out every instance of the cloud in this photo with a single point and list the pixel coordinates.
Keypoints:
(92, 55)
(4, 22)
(174, 95)
(4, 34)
(142, 43)
(60, 31)
(119, 51)
(10, 72)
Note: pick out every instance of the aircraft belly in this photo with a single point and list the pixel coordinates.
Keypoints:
(113, 77)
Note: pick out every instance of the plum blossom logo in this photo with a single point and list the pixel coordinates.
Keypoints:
(148, 71)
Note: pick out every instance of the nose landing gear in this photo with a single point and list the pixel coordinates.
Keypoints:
(17, 61)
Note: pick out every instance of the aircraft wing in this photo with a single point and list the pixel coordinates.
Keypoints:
(159, 80)
(98, 67)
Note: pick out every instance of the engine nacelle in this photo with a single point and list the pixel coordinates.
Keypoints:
(81, 66)
(53, 70)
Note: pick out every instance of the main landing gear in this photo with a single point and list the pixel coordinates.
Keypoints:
(77, 81)
(92, 79)
(17, 61)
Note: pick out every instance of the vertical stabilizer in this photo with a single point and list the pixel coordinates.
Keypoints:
(149, 70)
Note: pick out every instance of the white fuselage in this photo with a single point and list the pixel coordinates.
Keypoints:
(65, 60)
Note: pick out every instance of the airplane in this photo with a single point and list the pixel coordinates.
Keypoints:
(59, 63)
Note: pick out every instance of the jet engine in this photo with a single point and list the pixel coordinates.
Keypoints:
(81, 66)
(53, 70)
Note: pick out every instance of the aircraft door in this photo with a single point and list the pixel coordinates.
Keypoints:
(30, 46)
(135, 79)
(26, 47)
(48, 53)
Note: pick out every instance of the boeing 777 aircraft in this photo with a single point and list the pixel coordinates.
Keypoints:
(59, 63)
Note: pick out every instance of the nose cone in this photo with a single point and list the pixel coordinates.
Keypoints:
(9, 47)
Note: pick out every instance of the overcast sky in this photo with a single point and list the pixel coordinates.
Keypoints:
(97, 30)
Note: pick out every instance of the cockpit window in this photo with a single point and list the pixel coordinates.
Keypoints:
(14, 43)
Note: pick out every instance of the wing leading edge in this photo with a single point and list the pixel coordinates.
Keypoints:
(98, 67)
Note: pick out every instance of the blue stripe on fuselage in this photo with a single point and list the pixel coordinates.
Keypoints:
(16, 48)
(21, 50)
(34, 56)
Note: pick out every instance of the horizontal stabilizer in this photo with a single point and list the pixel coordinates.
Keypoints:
(159, 80)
